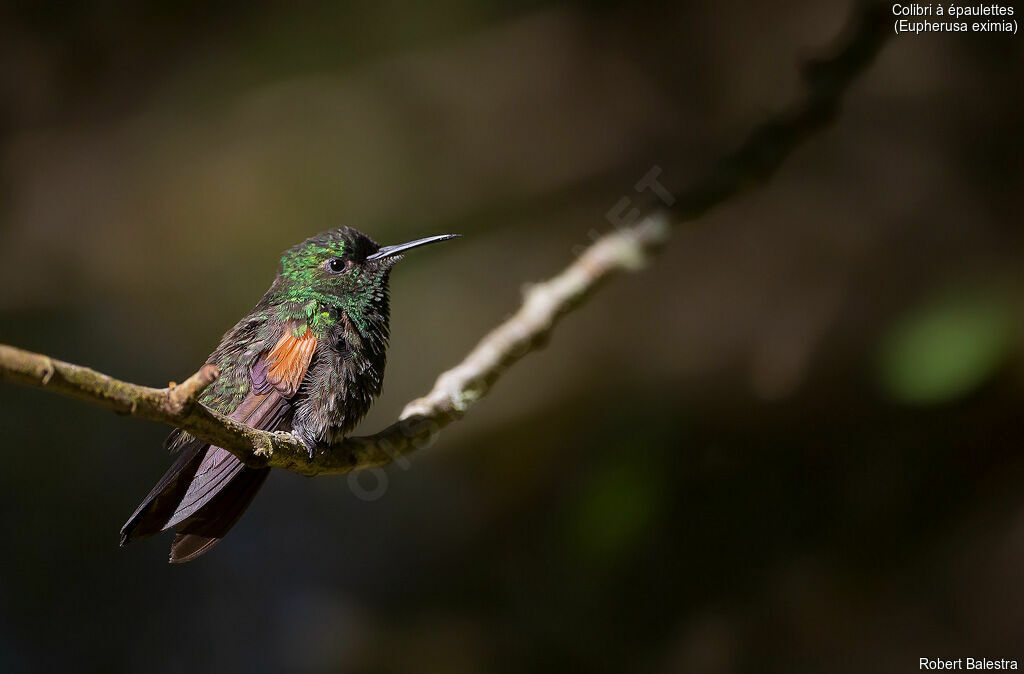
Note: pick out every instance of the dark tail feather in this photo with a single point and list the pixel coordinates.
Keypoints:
(162, 501)
(203, 494)
(187, 547)
(211, 522)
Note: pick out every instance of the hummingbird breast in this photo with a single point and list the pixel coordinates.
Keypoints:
(342, 382)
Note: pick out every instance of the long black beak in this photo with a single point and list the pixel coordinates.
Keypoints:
(388, 251)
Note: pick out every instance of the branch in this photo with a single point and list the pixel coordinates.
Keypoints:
(545, 303)
(455, 391)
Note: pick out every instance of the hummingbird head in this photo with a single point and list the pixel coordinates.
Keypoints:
(340, 270)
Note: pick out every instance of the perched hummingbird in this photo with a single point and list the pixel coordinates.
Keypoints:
(308, 359)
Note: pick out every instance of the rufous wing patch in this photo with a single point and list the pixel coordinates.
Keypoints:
(288, 361)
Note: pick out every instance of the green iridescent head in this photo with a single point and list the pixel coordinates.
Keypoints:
(340, 269)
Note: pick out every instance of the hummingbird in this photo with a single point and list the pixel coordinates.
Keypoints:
(309, 359)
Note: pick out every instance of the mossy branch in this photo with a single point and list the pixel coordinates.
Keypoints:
(457, 389)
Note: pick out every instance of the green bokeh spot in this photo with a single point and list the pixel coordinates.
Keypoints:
(946, 348)
(617, 503)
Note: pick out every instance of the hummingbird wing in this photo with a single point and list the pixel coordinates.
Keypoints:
(207, 488)
(287, 362)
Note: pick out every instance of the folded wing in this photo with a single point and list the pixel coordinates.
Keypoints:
(207, 488)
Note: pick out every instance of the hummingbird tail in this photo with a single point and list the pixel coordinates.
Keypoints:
(212, 520)
(202, 496)
(159, 505)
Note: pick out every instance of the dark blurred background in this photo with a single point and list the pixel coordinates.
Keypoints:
(791, 444)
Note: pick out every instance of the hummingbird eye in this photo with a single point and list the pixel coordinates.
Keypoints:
(336, 265)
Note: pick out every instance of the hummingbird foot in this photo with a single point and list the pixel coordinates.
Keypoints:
(286, 436)
(310, 444)
(317, 448)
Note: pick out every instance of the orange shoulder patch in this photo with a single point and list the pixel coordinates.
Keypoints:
(288, 361)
